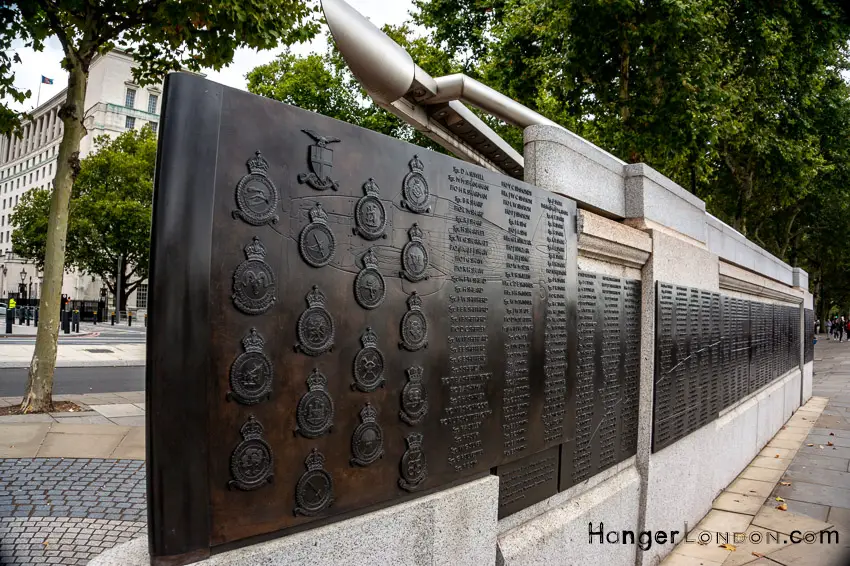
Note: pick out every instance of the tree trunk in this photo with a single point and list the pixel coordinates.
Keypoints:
(39, 393)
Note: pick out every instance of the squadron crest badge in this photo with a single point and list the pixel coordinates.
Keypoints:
(251, 374)
(254, 281)
(369, 286)
(315, 490)
(414, 325)
(316, 242)
(414, 398)
(315, 412)
(368, 364)
(414, 468)
(370, 216)
(256, 196)
(321, 159)
(315, 326)
(414, 256)
(367, 442)
(251, 462)
(415, 189)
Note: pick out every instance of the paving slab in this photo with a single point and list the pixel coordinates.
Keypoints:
(812, 474)
(118, 410)
(675, 558)
(839, 517)
(22, 440)
(819, 554)
(756, 540)
(751, 487)
(813, 510)
(821, 460)
(814, 493)
(96, 419)
(771, 463)
(132, 446)
(770, 475)
(33, 418)
(93, 430)
(831, 451)
(785, 522)
(789, 444)
(825, 439)
(59, 445)
(717, 521)
(738, 503)
(772, 452)
(129, 421)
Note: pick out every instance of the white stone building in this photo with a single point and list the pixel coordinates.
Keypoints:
(114, 104)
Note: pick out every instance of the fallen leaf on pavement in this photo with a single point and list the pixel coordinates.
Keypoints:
(728, 546)
(785, 483)
(782, 506)
(758, 554)
(831, 434)
(820, 446)
(777, 456)
(810, 444)
(779, 499)
(830, 444)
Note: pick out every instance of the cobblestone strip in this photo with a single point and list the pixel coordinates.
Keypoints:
(66, 511)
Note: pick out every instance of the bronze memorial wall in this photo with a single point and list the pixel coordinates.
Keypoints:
(711, 351)
(341, 321)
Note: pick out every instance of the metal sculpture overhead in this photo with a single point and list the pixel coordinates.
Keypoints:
(432, 105)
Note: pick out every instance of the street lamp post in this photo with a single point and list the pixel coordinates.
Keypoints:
(22, 294)
(3, 270)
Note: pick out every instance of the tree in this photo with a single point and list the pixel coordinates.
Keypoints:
(110, 213)
(163, 36)
(322, 83)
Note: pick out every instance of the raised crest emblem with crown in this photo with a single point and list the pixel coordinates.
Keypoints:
(414, 325)
(254, 282)
(316, 329)
(414, 398)
(315, 411)
(314, 490)
(370, 216)
(257, 196)
(321, 159)
(368, 364)
(413, 467)
(370, 288)
(251, 463)
(414, 256)
(251, 374)
(316, 242)
(367, 442)
(415, 191)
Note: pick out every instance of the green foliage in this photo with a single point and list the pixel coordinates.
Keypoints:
(110, 212)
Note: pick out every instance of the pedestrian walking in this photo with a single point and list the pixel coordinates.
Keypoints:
(841, 324)
(828, 329)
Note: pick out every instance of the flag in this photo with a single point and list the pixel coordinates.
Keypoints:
(46, 81)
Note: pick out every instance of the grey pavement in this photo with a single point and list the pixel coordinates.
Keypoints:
(820, 474)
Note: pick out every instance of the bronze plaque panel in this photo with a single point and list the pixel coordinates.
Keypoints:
(400, 321)
(527, 481)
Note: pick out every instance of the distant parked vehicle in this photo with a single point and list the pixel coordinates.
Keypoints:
(3, 310)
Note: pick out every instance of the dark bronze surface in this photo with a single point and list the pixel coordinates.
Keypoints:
(607, 374)
(401, 371)
(711, 351)
(809, 336)
(528, 481)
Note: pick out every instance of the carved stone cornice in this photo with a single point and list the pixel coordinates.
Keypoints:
(607, 240)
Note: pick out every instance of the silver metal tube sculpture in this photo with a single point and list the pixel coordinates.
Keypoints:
(433, 106)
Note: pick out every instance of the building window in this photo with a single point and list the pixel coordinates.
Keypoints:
(50, 169)
(142, 296)
(130, 123)
(152, 100)
(16, 200)
(154, 126)
(130, 98)
(36, 175)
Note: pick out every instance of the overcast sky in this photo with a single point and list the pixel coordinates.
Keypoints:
(35, 64)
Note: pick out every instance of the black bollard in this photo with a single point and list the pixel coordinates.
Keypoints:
(66, 323)
(146, 320)
(20, 315)
(28, 315)
(36, 317)
(10, 318)
(129, 319)
(113, 318)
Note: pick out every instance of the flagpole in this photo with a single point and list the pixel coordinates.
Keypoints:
(38, 99)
